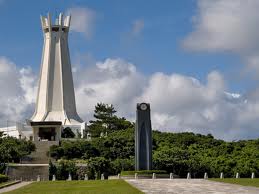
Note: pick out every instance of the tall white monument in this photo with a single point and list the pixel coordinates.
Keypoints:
(56, 97)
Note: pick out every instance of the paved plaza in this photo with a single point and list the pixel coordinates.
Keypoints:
(191, 186)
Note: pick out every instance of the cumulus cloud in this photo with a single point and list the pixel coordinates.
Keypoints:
(178, 102)
(113, 81)
(17, 88)
(227, 26)
(82, 20)
(231, 25)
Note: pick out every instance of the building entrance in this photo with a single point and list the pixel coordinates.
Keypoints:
(47, 133)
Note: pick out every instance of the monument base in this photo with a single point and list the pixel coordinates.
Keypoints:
(46, 130)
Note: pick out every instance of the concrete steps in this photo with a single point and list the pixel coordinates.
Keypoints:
(40, 155)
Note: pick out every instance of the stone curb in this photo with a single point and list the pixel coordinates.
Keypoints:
(9, 184)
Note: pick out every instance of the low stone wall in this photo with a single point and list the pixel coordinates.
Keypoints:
(28, 172)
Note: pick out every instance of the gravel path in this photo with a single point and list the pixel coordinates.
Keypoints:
(191, 186)
(13, 187)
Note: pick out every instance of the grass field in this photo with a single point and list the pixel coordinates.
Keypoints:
(78, 187)
(241, 181)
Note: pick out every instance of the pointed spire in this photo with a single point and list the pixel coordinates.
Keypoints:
(68, 19)
(60, 19)
(49, 21)
(43, 23)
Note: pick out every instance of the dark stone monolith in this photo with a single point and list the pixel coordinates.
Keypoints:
(143, 138)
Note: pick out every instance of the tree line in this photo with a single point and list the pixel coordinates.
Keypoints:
(178, 153)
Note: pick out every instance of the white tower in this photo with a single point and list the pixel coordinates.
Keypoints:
(56, 97)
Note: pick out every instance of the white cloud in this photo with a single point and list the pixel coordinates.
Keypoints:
(227, 26)
(17, 88)
(82, 20)
(138, 26)
(113, 81)
(231, 25)
(178, 102)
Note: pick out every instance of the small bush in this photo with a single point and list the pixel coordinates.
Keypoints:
(3, 178)
(119, 165)
(64, 168)
(142, 172)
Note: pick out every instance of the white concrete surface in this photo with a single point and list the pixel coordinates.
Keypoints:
(56, 97)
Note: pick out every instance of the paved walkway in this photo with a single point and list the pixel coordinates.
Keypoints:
(13, 187)
(28, 164)
(191, 186)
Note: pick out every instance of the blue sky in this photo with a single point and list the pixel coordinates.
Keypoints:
(195, 61)
(156, 48)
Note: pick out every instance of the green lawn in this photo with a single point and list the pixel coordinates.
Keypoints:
(241, 181)
(78, 187)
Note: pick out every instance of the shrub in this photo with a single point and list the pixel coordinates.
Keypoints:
(81, 171)
(64, 167)
(67, 133)
(3, 178)
(119, 165)
(98, 165)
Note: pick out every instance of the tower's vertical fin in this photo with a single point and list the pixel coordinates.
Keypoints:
(60, 20)
(67, 21)
(49, 22)
(43, 22)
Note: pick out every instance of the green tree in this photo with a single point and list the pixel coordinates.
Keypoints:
(106, 120)
(67, 133)
(179, 153)
(74, 149)
(13, 149)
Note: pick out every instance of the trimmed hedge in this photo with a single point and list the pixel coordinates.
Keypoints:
(142, 172)
(3, 178)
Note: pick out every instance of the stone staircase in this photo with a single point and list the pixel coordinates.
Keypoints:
(37, 163)
(40, 155)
